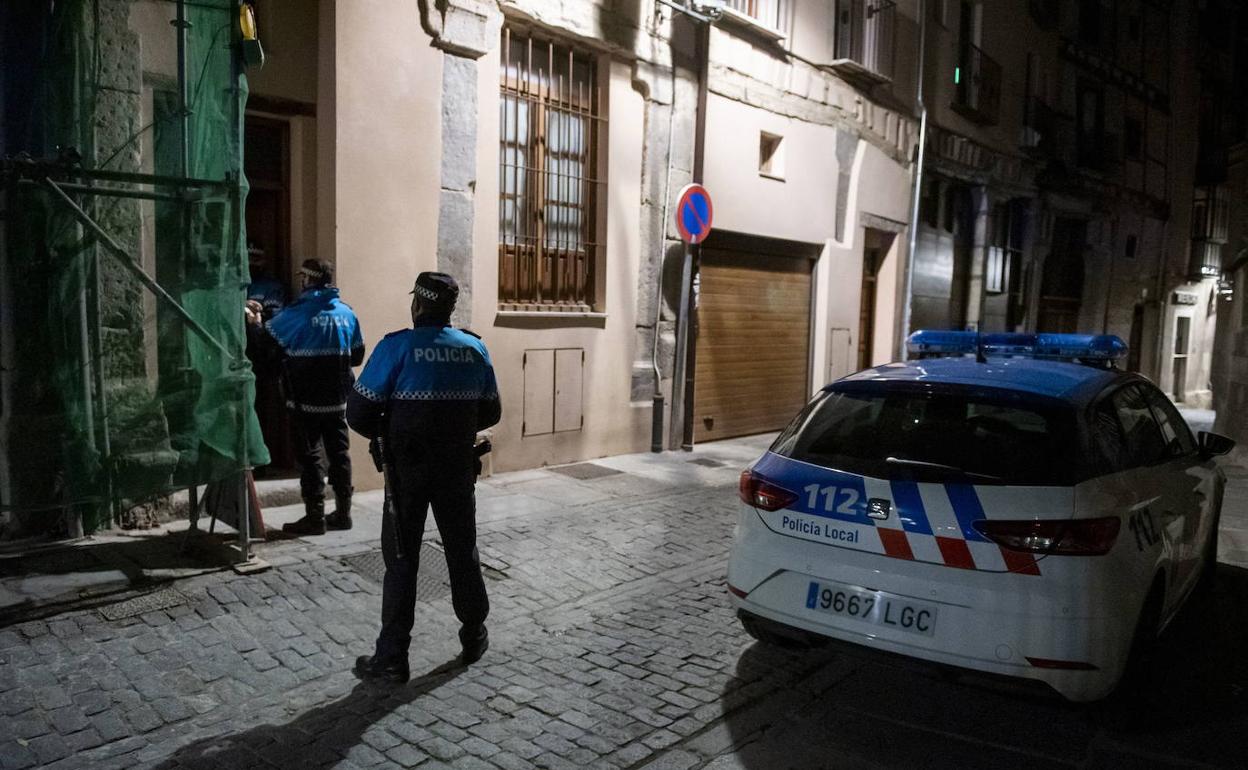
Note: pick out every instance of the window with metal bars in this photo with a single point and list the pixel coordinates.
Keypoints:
(771, 13)
(1006, 249)
(551, 118)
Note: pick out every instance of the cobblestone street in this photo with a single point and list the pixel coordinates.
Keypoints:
(613, 645)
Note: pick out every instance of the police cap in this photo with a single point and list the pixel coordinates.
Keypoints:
(319, 271)
(439, 290)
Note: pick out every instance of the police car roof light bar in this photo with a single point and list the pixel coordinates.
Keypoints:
(1096, 349)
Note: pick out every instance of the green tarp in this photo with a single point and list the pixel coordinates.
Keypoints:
(112, 399)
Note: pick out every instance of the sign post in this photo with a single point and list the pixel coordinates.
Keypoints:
(694, 214)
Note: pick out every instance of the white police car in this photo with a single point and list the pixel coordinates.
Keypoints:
(1021, 508)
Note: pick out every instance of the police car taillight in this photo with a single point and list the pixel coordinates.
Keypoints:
(761, 493)
(1081, 537)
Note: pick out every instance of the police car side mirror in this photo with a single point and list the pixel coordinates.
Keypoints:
(1213, 444)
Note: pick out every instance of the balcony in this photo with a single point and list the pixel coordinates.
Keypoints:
(1211, 214)
(1206, 261)
(1041, 128)
(978, 80)
(864, 43)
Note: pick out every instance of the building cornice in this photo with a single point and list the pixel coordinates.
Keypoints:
(730, 83)
(961, 157)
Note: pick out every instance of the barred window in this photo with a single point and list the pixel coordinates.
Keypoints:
(1006, 248)
(550, 118)
(771, 13)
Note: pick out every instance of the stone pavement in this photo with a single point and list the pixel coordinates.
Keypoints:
(613, 646)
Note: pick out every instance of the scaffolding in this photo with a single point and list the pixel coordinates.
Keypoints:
(123, 376)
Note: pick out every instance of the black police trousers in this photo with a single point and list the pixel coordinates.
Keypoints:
(321, 440)
(446, 485)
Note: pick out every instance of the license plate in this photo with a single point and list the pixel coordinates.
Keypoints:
(876, 607)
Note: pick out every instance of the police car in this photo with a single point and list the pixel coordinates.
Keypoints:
(1011, 504)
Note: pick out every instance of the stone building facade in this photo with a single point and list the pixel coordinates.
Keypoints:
(535, 150)
(1061, 182)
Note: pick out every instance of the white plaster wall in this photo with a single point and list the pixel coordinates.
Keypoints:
(801, 207)
(380, 178)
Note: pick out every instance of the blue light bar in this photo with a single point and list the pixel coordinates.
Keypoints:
(942, 343)
(1101, 348)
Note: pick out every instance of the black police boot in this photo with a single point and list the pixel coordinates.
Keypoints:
(341, 517)
(475, 643)
(313, 522)
(368, 668)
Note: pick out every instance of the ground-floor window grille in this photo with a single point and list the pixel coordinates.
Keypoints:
(551, 117)
(1006, 248)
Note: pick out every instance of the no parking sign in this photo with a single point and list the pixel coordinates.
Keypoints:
(694, 213)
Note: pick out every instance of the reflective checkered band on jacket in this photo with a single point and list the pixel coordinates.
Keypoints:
(436, 395)
(428, 294)
(317, 408)
(368, 393)
(313, 352)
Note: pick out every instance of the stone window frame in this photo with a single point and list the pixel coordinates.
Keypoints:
(552, 137)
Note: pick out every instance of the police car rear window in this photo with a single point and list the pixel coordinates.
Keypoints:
(923, 434)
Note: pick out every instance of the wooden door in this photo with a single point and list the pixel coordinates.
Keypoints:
(267, 166)
(753, 346)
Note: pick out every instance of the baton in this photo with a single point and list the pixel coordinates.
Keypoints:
(387, 506)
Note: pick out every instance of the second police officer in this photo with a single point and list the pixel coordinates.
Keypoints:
(316, 340)
(426, 392)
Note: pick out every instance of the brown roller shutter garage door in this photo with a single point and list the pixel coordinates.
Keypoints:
(753, 344)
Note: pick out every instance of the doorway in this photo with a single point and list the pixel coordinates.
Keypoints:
(875, 248)
(266, 162)
(1061, 290)
(871, 258)
(1182, 338)
(753, 338)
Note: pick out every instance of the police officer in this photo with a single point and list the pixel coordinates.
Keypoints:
(427, 391)
(317, 340)
(265, 291)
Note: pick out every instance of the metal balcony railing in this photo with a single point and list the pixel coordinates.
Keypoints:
(978, 80)
(863, 46)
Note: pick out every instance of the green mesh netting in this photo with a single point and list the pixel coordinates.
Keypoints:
(113, 399)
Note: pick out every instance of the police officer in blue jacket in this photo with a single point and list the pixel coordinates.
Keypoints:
(264, 290)
(317, 340)
(427, 391)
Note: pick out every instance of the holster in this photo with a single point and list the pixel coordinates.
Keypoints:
(480, 450)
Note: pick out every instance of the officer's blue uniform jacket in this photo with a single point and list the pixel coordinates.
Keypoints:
(269, 293)
(431, 381)
(320, 341)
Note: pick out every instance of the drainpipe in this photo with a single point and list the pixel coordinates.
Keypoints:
(657, 415)
(915, 193)
(693, 257)
(1159, 358)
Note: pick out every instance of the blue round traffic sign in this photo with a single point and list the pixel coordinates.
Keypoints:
(694, 213)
